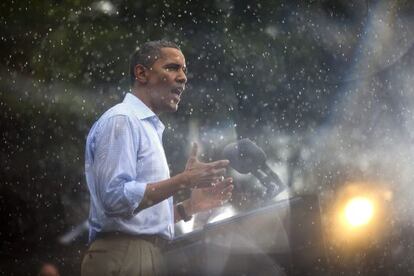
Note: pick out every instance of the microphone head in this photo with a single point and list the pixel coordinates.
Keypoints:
(244, 155)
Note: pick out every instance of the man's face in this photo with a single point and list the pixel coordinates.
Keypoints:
(166, 81)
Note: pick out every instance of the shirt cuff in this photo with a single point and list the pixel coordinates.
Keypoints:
(134, 193)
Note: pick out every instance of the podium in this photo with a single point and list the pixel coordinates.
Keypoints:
(283, 238)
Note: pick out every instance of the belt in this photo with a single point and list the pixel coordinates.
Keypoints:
(156, 240)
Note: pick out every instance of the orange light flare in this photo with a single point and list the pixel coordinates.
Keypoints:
(360, 215)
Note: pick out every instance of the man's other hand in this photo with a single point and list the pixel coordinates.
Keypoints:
(204, 199)
(199, 174)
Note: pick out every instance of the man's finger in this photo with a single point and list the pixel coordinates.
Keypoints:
(228, 190)
(218, 173)
(223, 183)
(228, 180)
(205, 184)
(223, 186)
(227, 193)
(193, 156)
(219, 164)
(194, 149)
(226, 196)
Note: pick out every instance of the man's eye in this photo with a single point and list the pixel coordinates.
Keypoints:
(171, 68)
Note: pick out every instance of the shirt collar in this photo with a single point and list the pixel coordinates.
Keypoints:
(142, 110)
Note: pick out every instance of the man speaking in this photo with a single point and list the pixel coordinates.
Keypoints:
(132, 214)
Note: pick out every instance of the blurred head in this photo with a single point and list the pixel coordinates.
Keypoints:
(158, 75)
(48, 269)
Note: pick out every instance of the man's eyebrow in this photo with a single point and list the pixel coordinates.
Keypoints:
(174, 64)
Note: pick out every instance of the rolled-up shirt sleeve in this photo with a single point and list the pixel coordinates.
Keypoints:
(114, 166)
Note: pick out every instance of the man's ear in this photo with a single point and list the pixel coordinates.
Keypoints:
(140, 73)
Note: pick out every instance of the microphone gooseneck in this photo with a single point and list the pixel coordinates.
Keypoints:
(246, 157)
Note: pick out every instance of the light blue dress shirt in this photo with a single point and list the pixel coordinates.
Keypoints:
(124, 153)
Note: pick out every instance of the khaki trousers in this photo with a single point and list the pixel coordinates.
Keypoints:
(120, 255)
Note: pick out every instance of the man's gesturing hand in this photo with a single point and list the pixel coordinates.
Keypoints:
(200, 174)
(204, 199)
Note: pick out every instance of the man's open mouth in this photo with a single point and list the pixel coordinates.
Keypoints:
(177, 91)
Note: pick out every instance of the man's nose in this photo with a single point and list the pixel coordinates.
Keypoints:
(182, 78)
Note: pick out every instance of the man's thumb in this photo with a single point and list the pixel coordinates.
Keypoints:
(194, 149)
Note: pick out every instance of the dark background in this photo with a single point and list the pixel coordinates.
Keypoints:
(318, 84)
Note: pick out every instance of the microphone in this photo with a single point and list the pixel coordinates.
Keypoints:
(246, 157)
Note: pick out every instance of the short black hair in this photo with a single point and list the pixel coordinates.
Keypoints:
(147, 54)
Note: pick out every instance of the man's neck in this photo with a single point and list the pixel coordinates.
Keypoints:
(142, 94)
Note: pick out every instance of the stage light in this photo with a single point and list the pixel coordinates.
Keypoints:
(359, 211)
(358, 217)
